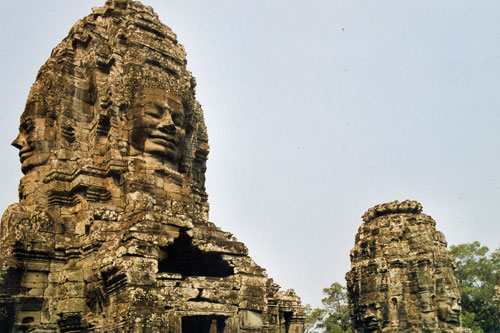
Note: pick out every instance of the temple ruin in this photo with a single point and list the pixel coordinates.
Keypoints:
(402, 276)
(111, 232)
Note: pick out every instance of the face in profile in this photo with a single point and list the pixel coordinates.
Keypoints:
(158, 124)
(35, 138)
(449, 310)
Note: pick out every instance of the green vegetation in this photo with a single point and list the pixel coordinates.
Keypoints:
(333, 317)
(478, 271)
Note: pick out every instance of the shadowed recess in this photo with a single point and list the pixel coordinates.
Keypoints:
(183, 258)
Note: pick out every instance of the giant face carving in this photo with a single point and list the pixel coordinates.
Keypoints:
(448, 299)
(35, 139)
(449, 310)
(371, 316)
(157, 124)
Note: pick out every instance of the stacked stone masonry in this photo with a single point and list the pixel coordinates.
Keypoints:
(111, 232)
(402, 276)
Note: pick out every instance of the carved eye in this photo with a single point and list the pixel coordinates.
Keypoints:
(178, 118)
(27, 126)
(153, 111)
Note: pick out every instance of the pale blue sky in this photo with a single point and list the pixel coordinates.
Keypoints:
(316, 111)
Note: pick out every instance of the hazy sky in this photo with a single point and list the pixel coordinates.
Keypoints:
(316, 111)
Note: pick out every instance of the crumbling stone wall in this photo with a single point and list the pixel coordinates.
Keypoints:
(111, 232)
(402, 276)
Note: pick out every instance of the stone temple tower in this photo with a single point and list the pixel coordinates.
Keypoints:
(402, 276)
(111, 232)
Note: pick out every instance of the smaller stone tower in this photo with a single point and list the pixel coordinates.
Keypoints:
(402, 276)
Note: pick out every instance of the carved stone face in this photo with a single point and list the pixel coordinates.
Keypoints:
(371, 316)
(158, 127)
(449, 310)
(426, 301)
(35, 139)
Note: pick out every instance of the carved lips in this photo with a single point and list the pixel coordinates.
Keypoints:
(25, 153)
(167, 141)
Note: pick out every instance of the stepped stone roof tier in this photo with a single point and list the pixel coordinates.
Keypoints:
(111, 232)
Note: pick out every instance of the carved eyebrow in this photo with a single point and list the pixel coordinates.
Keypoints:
(156, 107)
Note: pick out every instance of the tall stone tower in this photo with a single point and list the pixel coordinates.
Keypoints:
(111, 232)
(402, 276)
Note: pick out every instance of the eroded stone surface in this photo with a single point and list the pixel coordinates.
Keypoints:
(111, 232)
(402, 276)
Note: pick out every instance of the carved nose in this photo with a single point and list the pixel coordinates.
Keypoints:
(19, 142)
(167, 125)
(369, 315)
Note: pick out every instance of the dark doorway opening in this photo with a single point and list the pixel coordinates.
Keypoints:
(7, 316)
(203, 324)
(182, 257)
(288, 321)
